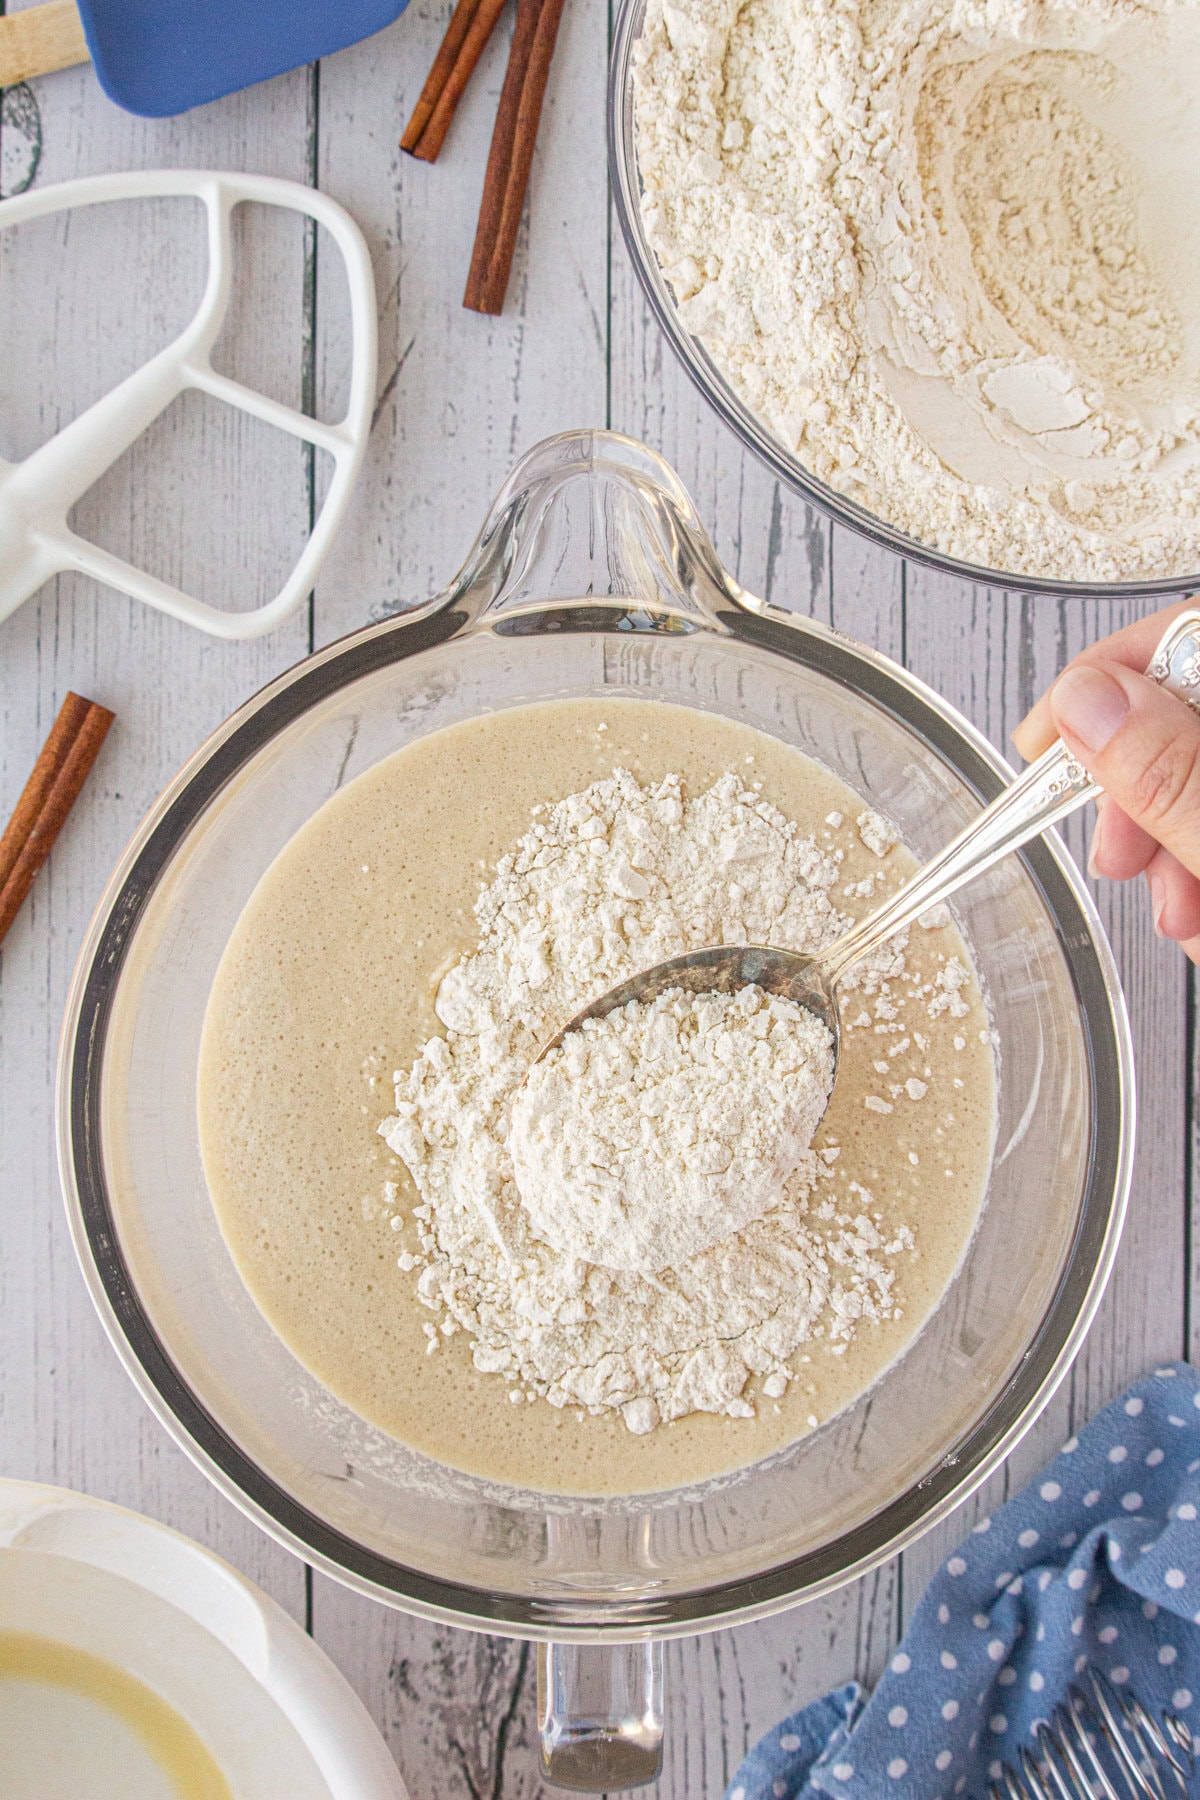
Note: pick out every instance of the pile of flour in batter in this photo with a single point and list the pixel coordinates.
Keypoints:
(650, 1134)
(607, 882)
(946, 251)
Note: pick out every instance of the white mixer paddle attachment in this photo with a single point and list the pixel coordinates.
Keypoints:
(37, 495)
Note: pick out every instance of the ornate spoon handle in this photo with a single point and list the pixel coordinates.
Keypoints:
(1049, 789)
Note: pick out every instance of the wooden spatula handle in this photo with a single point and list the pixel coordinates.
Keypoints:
(40, 39)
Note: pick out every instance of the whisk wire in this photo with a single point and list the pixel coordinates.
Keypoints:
(1140, 1771)
(1094, 1740)
(1087, 1740)
(1059, 1742)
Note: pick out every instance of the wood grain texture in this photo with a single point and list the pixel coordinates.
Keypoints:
(81, 301)
(461, 396)
(204, 500)
(458, 1708)
(991, 654)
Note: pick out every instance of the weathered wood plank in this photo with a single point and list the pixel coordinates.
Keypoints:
(80, 303)
(773, 544)
(733, 1685)
(459, 1709)
(462, 396)
(992, 653)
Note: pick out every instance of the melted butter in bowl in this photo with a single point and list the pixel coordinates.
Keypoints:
(74, 1723)
(326, 991)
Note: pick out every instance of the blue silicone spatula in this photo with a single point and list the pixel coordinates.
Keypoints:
(162, 56)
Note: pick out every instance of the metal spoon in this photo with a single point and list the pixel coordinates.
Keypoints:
(1048, 791)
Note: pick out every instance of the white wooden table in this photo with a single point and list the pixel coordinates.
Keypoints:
(217, 504)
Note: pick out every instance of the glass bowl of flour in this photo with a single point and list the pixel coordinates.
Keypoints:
(591, 592)
(934, 266)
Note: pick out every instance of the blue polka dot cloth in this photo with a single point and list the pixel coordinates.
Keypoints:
(1096, 1561)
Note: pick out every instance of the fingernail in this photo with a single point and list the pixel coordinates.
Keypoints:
(1094, 847)
(1158, 903)
(1089, 705)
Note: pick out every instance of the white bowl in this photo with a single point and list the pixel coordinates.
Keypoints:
(274, 1713)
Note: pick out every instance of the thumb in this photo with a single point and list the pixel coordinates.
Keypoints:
(1141, 744)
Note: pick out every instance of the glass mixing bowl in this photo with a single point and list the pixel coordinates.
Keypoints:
(626, 188)
(592, 575)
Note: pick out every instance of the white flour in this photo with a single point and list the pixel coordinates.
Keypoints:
(607, 882)
(651, 1134)
(946, 250)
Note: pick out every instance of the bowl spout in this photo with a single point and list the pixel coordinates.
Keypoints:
(592, 515)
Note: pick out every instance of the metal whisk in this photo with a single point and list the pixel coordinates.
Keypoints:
(1101, 1745)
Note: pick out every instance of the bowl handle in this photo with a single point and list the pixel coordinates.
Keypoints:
(600, 1713)
(592, 515)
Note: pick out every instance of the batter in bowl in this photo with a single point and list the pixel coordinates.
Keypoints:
(325, 1014)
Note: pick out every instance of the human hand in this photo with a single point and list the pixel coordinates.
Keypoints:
(1142, 745)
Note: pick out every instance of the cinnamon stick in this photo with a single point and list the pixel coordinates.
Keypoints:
(471, 25)
(511, 155)
(47, 797)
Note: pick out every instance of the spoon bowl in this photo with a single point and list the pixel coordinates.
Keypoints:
(721, 969)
